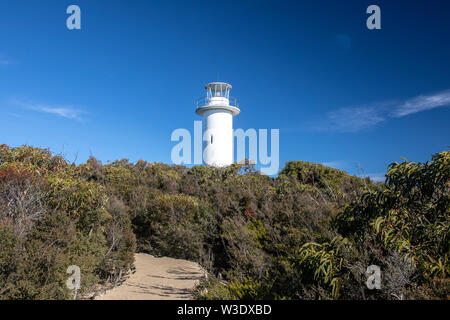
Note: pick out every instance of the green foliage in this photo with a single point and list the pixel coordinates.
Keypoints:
(309, 233)
(322, 264)
(52, 216)
(307, 173)
(212, 289)
(410, 216)
(250, 289)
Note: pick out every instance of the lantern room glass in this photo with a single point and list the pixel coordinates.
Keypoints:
(221, 90)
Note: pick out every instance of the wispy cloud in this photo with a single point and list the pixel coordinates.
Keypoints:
(422, 103)
(354, 119)
(67, 112)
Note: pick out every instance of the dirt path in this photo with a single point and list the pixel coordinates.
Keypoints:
(157, 279)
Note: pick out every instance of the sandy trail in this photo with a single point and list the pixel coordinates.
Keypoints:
(157, 279)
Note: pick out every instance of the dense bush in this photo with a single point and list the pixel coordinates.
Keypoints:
(52, 217)
(309, 233)
(408, 221)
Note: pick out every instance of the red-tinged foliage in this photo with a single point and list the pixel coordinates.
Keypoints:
(17, 174)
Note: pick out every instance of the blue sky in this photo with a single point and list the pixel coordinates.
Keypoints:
(340, 94)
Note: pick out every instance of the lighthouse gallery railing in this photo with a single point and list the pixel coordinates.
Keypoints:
(204, 101)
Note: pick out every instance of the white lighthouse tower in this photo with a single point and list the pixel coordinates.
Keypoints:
(218, 110)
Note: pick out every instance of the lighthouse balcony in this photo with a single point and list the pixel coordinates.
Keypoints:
(217, 101)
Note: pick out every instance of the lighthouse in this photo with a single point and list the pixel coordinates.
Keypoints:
(217, 109)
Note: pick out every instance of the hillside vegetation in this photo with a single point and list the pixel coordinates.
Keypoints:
(309, 233)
